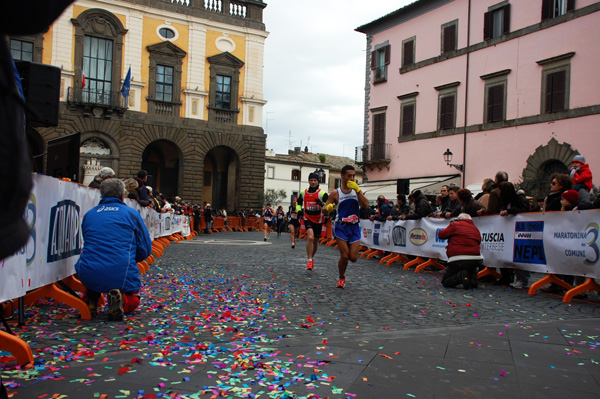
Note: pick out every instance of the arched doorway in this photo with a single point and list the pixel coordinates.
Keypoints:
(96, 151)
(221, 171)
(546, 160)
(162, 160)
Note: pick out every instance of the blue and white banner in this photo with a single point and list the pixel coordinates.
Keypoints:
(54, 214)
(550, 242)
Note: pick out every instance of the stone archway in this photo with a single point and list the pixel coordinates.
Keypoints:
(162, 159)
(97, 150)
(36, 149)
(220, 180)
(553, 157)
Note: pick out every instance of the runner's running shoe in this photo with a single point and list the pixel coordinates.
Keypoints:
(341, 282)
(310, 264)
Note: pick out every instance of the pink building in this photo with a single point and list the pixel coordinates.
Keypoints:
(510, 85)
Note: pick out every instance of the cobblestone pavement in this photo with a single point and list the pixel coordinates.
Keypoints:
(229, 315)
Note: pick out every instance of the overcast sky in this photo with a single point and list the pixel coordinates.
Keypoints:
(314, 73)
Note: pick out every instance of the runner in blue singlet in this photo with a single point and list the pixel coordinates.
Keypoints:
(349, 200)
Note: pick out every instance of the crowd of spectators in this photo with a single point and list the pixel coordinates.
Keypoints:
(498, 196)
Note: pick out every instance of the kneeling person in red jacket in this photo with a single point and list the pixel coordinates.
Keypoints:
(463, 250)
(114, 240)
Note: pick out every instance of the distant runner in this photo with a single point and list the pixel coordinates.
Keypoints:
(294, 220)
(312, 200)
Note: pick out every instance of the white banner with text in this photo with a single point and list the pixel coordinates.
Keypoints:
(550, 242)
(54, 214)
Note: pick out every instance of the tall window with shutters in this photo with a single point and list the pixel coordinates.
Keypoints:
(555, 93)
(408, 52)
(495, 103)
(556, 8)
(496, 22)
(449, 36)
(556, 77)
(407, 117)
(495, 96)
(378, 151)
(447, 116)
(380, 59)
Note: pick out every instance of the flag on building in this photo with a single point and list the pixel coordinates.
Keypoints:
(126, 84)
(82, 78)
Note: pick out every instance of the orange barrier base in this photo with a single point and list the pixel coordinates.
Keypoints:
(415, 262)
(548, 279)
(589, 285)
(396, 258)
(386, 258)
(367, 252)
(374, 253)
(52, 291)
(430, 262)
(74, 284)
(488, 272)
(15, 345)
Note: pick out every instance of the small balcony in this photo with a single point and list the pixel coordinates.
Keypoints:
(99, 103)
(374, 156)
(219, 115)
(163, 108)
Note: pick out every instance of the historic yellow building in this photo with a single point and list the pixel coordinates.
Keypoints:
(193, 114)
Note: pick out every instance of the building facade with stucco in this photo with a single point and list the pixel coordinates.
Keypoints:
(502, 85)
(193, 116)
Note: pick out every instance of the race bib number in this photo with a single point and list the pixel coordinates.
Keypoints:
(267, 218)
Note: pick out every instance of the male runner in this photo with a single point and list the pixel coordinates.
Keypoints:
(294, 220)
(312, 200)
(349, 200)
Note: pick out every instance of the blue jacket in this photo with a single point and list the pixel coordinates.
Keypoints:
(114, 240)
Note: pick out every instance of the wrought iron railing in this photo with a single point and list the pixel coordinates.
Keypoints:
(96, 97)
(378, 152)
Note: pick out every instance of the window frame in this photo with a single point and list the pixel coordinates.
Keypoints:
(296, 175)
(21, 43)
(405, 61)
(219, 103)
(488, 20)
(37, 41)
(270, 172)
(561, 63)
(493, 80)
(380, 59)
(446, 92)
(408, 100)
(99, 23)
(548, 8)
(165, 54)
(225, 64)
(378, 133)
(164, 83)
(444, 38)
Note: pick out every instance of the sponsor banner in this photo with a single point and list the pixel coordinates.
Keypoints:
(552, 242)
(54, 214)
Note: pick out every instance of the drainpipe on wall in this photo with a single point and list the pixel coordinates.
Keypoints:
(464, 171)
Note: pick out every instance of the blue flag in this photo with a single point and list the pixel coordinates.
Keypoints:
(126, 84)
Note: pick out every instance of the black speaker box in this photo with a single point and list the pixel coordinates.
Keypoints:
(402, 186)
(41, 86)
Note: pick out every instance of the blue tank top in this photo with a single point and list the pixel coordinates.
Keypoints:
(348, 208)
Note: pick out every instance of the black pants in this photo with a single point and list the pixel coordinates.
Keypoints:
(453, 274)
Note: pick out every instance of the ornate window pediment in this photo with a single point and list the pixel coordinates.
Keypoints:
(164, 86)
(224, 87)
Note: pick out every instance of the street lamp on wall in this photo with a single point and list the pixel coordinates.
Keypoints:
(448, 158)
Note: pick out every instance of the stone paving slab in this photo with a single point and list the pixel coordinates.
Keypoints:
(229, 315)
